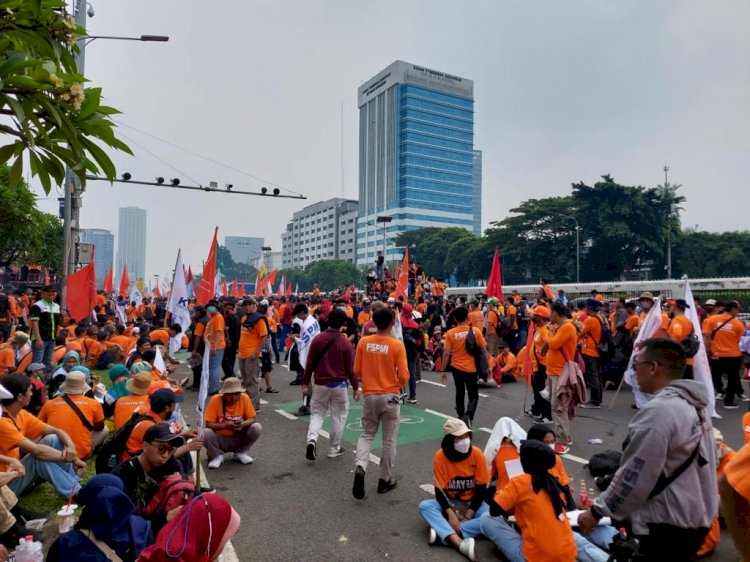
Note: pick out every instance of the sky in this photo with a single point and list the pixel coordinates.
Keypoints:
(564, 92)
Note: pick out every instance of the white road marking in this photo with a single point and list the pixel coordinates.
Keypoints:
(434, 413)
(429, 488)
(575, 459)
(287, 415)
(263, 402)
(433, 383)
(484, 395)
(485, 429)
(228, 554)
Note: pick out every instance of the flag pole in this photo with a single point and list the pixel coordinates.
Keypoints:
(171, 290)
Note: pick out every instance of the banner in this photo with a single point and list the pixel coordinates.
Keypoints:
(136, 296)
(402, 288)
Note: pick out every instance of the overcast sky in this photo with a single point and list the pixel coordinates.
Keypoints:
(565, 91)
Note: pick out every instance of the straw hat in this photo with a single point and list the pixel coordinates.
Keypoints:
(231, 385)
(139, 383)
(75, 383)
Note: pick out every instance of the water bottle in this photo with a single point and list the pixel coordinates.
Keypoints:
(583, 498)
(29, 550)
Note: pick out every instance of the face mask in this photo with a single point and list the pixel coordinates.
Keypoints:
(212, 309)
(341, 308)
(551, 446)
(462, 446)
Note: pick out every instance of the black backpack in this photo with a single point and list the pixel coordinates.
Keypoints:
(472, 346)
(605, 346)
(114, 446)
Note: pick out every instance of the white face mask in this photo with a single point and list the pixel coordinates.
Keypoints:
(463, 445)
(551, 446)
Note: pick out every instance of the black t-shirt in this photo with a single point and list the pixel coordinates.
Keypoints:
(48, 316)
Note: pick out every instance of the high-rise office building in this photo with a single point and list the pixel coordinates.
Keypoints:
(476, 192)
(244, 249)
(322, 231)
(131, 242)
(416, 143)
(104, 250)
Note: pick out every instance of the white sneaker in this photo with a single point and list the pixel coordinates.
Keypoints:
(244, 458)
(467, 549)
(216, 462)
(432, 537)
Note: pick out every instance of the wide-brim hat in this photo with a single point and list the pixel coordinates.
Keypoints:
(140, 383)
(646, 295)
(20, 338)
(231, 385)
(75, 383)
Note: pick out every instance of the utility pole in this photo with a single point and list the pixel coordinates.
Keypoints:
(669, 224)
(343, 190)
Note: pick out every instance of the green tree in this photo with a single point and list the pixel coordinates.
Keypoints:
(430, 247)
(232, 270)
(711, 254)
(52, 119)
(331, 274)
(27, 235)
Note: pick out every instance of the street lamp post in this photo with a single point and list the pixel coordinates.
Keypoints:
(385, 219)
(578, 247)
(72, 187)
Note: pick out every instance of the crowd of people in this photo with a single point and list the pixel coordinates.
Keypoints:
(57, 414)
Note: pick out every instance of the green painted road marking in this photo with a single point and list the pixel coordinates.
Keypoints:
(416, 424)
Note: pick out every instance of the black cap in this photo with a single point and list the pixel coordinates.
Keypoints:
(162, 433)
(164, 397)
(49, 289)
(681, 303)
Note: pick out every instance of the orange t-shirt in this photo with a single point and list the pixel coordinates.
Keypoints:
(506, 452)
(546, 538)
(58, 414)
(161, 335)
(380, 363)
(135, 442)
(541, 335)
(591, 336)
(562, 347)
(251, 340)
(125, 406)
(14, 430)
(714, 534)
(510, 312)
(459, 479)
(24, 363)
(476, 319)
(508, 363)
(363, 317)
(7, 358)
(215, 332)
(455, 342)
(632, 323)
(746, 427)
(492, 321)
(122, 341)
(680, 328)
(559, 471)
(738, 472)
(726, 340)
(242, 410)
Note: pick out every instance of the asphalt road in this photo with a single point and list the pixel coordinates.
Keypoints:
(293, 509)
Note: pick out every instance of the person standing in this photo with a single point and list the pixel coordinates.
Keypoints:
(330, 362)
(216, 341)
(492, 321)
(559, 349)
(666, 483)
(253, 334)
(380, 365)
(198, 345)
(540, 409)
(308, 330)
(232, 323)
(592, 333)
(463, 364)
(680, 328)
(45, 317)
(379, 262)
(722, 334)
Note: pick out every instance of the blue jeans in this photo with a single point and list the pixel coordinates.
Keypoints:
(275, 345)
(43, 355)
(510, 543)
(431, 512)
(60, 474)
(214, 370)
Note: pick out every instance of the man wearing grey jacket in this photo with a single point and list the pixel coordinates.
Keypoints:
(666, 483)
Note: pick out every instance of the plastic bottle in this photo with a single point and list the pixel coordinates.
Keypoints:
(583, 497)
(591, 497)
(29, 550)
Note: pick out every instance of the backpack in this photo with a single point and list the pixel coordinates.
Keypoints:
(605, 346)
(174, 491)
(472, 347)
(114, 446)
(604, 463)
(691, 344)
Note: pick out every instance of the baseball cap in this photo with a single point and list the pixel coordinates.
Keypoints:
(455, 427)
(34, 367)
(710, 302)
(541, 311)
(162, 433)
(681, 303)
(593, 304)
(492, 301)
(163, 397)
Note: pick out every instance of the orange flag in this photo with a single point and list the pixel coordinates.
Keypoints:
(402, 288)
(108, 284)
(80, 292)
(206, 289)
(124, 282)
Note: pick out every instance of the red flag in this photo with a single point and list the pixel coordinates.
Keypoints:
(157, 292)
(224, 290)
(257, 284)
(189, 278)
(124, 282)
(288, 291)
(271, 277)
(495, 282)
(108, 283)
(280, 288)
(527, 368)
(80, 288)
(402, 288)
(207, 288)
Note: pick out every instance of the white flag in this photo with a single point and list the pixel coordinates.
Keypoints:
(136, 296)
(178, 301)
(650, 328)
(165, 285)
(159, 364)
(701, 369)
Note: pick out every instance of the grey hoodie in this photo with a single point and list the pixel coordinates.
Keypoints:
(661, 437)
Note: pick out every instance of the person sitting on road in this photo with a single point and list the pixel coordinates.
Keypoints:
(230, 424)
(460, 478)
(52, 459)
(502, 447)
(77, 415)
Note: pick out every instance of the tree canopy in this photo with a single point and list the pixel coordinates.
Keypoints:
(51, 117)
(328, 274)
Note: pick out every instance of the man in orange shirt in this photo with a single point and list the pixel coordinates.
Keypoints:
(463, 364)
(81, 417)
(593, 328)
(381, 366)
(493, 321)
(722, 333)
(476, 318)
(560, 348)
(679, 329)
(10, 353)
(541, 408)
(253, 334)
(216, 343)
(230, 424)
